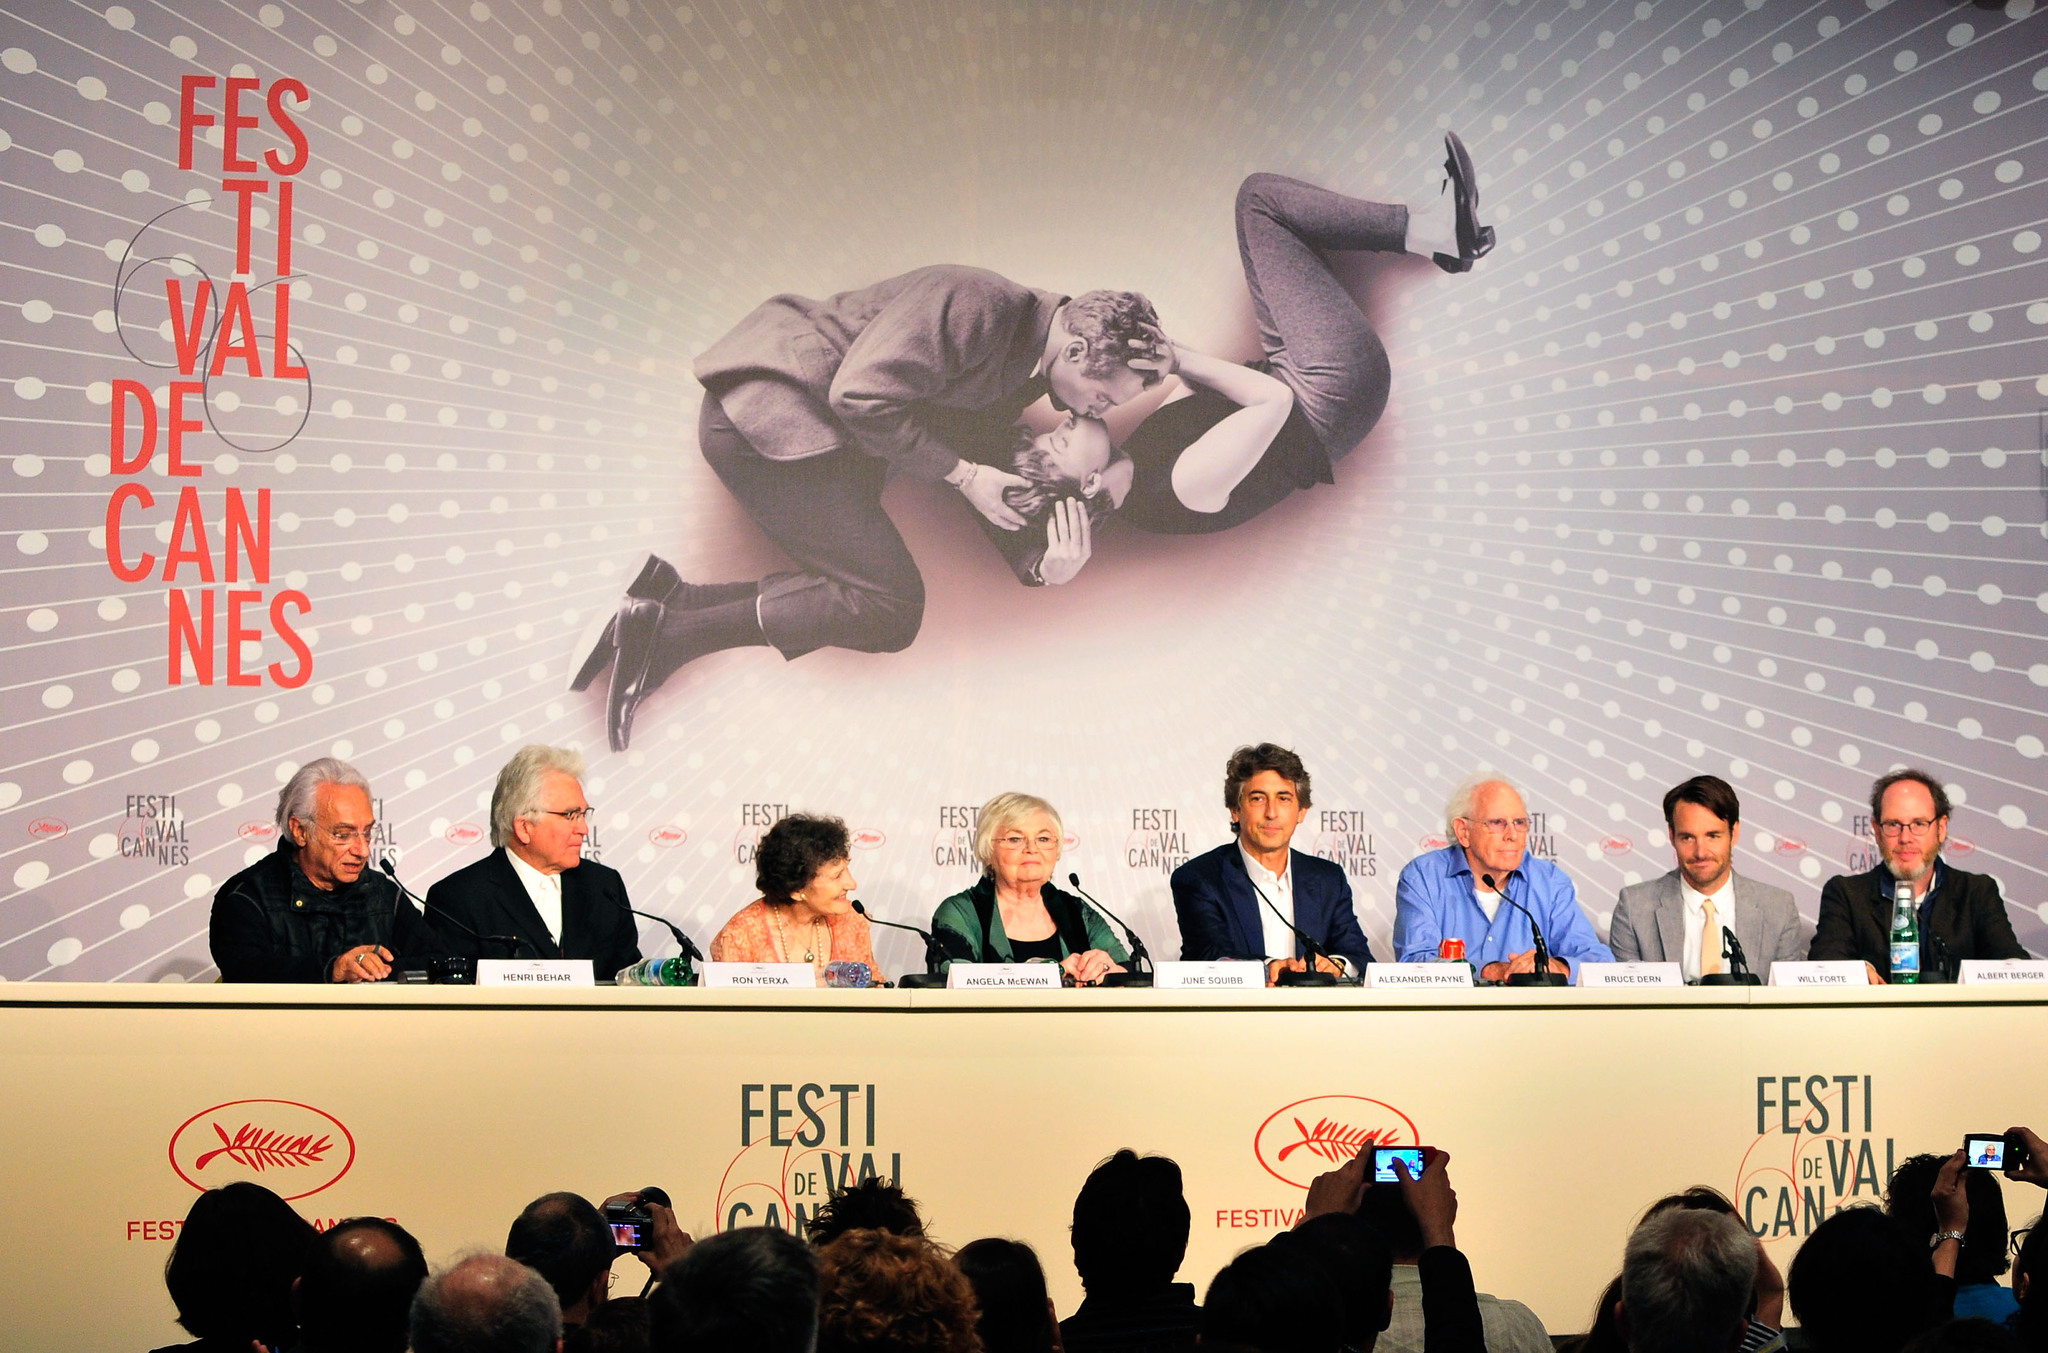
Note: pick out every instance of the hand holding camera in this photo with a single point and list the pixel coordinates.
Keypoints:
(643, 1223)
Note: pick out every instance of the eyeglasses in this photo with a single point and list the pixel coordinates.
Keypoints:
(1919, 826)
(573, 816)
(1045, 841)
(2018, 1239)
(1502, 826)
(342, 836)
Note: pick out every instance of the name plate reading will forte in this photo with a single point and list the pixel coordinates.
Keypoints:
(1002, 976)
(1239, 974)
(1833, 972)
(787, 976)
(1396, 975)
(1990, 971)
(1630, 975)
(534, 972)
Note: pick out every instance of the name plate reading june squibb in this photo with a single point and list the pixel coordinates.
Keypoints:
(1830, 972)
(1417, 976)
(1002, 976)
(1244, 975)
(1997, 971)
(534, 972)
(1631, 975)
(785, 976)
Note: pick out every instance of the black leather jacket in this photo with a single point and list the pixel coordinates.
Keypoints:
(270, 924)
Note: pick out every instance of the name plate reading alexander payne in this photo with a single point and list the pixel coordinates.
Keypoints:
(1188, 976)
(1832, 972)
(787, 976)
(534, 972)
(1395, 976)
(1631, 975)
(1992, 971)
(1002, 976)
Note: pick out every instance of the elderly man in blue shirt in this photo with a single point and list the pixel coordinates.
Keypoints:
(1455, 893)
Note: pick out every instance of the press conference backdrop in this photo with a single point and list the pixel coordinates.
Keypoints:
(1728, 459)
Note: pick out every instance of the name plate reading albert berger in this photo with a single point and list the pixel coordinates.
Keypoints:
(1831, 972)
(1412, 976)
(1631, 975)
(1236, 974)
(785, 976)
(1002, 976)
(534, 972)
(1992, 971)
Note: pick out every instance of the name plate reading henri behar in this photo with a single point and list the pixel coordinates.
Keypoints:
(1233, 974)
(1631, 975)
(783, 976)
(1415, 976)
(534, 972)
(1002, 976)
(1833, 972)
(1996, 971)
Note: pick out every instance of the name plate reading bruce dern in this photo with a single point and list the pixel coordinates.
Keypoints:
(1831, 972)
(1002, 976)
(1245, 975)
(783, 976)
(1411, 976)
(534, 972)
(1993, 971)
(1631, 975)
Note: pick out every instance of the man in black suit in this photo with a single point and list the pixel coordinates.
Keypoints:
(1961, 915)
(536, 886)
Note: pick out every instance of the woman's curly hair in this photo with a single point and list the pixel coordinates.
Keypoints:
(883, 1293)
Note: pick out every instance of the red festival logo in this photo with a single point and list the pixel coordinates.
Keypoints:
(47, 828)
(1958, 846)
(263, 1139)
(667, 837)
(257, 831)
(1790, 845)
(1313, 1136)
(464, 834)
(1616, 845)
(868, 838)
(1432, 841)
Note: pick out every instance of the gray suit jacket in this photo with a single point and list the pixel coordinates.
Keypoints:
(797, 376)
(1649, 924)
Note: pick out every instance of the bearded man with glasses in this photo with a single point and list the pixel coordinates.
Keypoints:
(1962, 915)
(537, 885)
(312, 910)
(1482, 889)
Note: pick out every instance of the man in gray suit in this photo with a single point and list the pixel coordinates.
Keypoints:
(1682, 917)
(807, 407)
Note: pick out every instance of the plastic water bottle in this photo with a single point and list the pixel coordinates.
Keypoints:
(1905, 936)
(657, 972)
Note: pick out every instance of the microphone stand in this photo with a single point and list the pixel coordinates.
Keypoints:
(1310, 975)
(1137, 976)
(391, 872)
(935, 954)
(687, 948)
(1542, 976)
(1738, 974)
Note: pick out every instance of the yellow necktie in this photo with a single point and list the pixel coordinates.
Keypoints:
(1710, 939)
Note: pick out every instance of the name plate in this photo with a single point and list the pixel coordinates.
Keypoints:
(786, 975)
(1239, 974)
(1631, 975)
(534, 972)
(1396, 975)
(1002, 976)
(1833, 972)
(1986, 971)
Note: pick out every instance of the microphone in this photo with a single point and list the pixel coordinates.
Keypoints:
(391, 872)
(935, 953)
(1543, 976)
(1135, 977)
(1738, 974)
(1310, 976)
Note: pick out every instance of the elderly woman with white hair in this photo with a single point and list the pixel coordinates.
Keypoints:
(536, 896)
(1015, 914)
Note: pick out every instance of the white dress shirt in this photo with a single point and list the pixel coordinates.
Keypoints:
(544, 889)
(1696, 921)
(1279, 940)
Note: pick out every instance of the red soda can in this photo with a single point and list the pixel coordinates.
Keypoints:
(1451, 950)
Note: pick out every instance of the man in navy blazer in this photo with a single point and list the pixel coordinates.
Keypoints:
(1237, 901)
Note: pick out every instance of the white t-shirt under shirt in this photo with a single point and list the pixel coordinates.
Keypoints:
(544, 889)
(1696, 922)
(1489, 902)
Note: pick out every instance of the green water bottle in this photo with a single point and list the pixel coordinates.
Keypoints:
(1905, 936)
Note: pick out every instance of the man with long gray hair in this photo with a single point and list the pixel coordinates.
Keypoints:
(537, 885)
(313, 910)
(486, 1304)
(1686, 1281)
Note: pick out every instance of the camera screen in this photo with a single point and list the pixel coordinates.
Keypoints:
(626, 1235)
(1383, 1158)
(1984, 1153)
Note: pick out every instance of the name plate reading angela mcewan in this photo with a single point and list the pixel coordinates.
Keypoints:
(784, 976)
(1630, 975)
(1999, 971)
(1416, 976)
(1002, 976)
(1234, 974)
(1832, 972)
(534, 972)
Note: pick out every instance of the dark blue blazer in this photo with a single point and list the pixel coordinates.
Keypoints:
(1219, 909)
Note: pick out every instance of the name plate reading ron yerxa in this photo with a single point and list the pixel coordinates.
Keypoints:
(1002, 976)
(1993, 971)
(534, 972)
(1239, 974)
(1830, 972)
(788, 976)
(1631, 975)
(1396, 976)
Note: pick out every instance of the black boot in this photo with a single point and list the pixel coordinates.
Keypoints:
(654, 641)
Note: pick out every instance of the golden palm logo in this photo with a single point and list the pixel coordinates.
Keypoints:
(1301, 1140)
(294, 1148)
(259, 1150)
(1333, 1140)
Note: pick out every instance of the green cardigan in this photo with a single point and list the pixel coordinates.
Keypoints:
(959, 914)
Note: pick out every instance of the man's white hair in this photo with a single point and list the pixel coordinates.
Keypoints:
(1464, 800)
(300, 793)
(518, 793)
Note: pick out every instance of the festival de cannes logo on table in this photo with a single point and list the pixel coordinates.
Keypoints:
(292, 1149)
(1314, 1136)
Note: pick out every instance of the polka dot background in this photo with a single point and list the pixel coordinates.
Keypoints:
(1727, 460)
